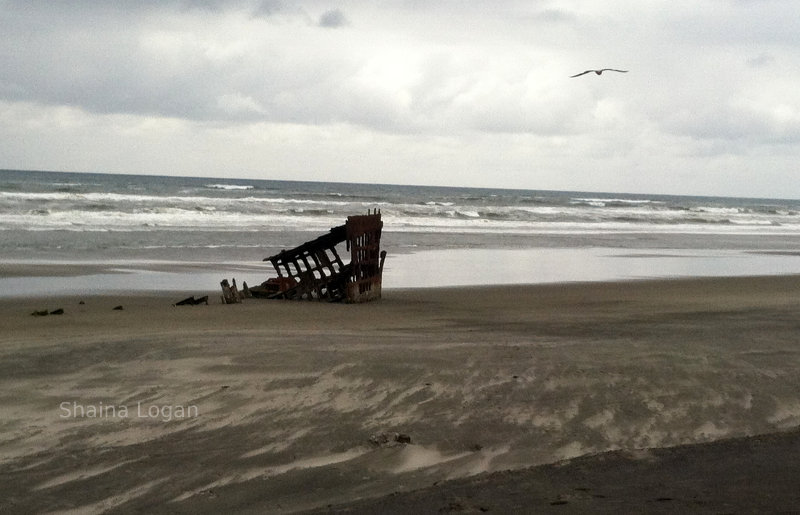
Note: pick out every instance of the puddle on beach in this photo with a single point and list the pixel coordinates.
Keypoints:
(432, 268)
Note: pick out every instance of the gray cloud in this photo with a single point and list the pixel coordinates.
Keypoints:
(332, 19)
(268, 8)
(701, 78)
(761, 60)
(555, 16)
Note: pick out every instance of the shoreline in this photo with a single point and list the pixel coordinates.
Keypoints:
(770, 289)
(482, 380)
(419, 269)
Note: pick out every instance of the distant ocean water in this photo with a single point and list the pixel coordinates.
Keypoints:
(76, 217)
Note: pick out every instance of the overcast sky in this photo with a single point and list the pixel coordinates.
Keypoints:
(458, 93)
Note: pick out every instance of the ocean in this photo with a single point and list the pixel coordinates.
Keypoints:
(433, 235)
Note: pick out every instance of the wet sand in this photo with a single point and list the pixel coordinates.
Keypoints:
(269, 406)
(757, 474)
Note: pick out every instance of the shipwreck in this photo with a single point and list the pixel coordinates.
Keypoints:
(315, 270)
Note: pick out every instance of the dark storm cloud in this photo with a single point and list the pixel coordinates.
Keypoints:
(717, 76)
(268, 8)
(332, 19)
(96, 57)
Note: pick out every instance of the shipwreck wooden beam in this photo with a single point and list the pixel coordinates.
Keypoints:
(230, 293)
(318, 271)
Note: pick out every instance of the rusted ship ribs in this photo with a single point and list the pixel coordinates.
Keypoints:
(315, 270)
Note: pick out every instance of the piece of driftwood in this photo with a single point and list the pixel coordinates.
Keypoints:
(230, 293)
(315, 270)
(191, 301)
(44, 312)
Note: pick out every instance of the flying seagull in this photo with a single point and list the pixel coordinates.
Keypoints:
(599, 72)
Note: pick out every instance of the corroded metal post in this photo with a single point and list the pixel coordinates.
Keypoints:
(366, 261)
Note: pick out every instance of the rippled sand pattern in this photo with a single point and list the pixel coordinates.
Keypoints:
(288, 394)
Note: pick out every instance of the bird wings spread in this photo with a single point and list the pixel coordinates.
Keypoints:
(598, 72)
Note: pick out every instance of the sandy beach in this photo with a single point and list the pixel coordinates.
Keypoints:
(644, 396)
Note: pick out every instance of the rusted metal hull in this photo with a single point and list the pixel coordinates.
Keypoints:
(316, 271)
(366, 259)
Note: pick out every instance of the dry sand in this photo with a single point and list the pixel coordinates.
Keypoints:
(269, 406)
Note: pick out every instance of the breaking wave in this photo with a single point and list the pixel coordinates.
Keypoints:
(94, 202)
